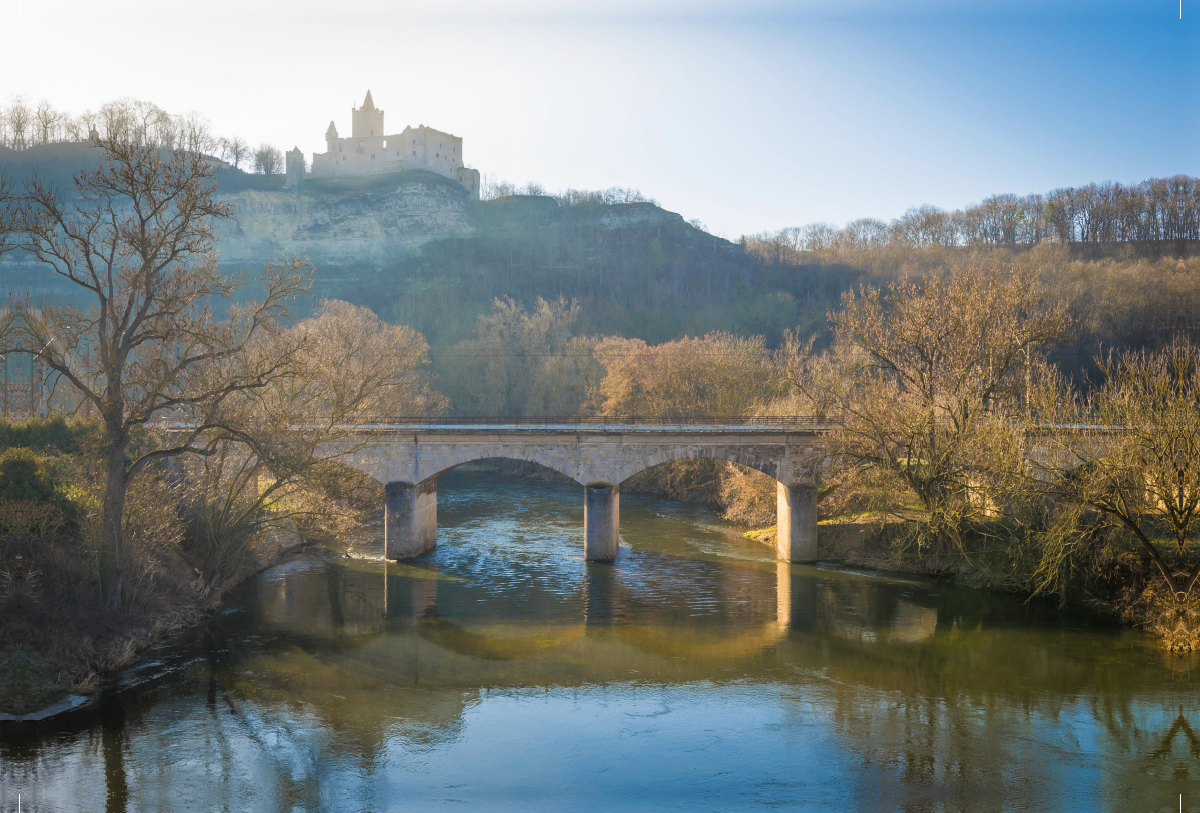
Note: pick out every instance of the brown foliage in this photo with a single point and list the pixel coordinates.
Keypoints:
(271, 466)
(1135, 461)
(140, 250)
(523, 361)
(933, 391)
(23, 521)
(720, 375)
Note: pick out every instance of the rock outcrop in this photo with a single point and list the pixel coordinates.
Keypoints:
(338, 221)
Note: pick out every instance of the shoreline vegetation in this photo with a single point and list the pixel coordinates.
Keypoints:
(1010, 411)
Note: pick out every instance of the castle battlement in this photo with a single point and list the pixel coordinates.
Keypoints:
(369, 151)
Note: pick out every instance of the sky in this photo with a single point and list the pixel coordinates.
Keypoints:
(748, 116)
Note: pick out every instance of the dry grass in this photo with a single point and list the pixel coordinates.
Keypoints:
(57, 633)
(738, 494)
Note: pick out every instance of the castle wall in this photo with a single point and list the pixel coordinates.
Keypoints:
(359, 156)
(368, 153)
(294, 168)
(469, 178)
(426, 148)
(415, 148)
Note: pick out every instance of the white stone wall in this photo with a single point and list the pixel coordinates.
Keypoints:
(415, 148)
(426, 148)
(359, 156)
(366, 122)
(469, 178)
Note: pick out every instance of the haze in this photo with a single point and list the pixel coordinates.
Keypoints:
(748, 116)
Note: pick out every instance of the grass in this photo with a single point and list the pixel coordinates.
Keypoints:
(28, 683)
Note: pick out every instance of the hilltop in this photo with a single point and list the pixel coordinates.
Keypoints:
(414, 247)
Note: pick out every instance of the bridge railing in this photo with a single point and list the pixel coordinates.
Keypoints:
(551, 422)
(800, 421)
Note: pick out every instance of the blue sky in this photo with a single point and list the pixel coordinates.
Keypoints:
(748, 116)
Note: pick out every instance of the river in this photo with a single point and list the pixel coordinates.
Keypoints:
(505, 673)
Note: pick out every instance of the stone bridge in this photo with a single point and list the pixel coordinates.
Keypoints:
(599, 454)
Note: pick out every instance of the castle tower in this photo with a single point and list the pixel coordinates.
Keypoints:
(366, 120)
(331, 136)
(293, 174)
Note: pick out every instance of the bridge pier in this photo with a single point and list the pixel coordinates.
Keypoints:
(796, 523)
(601, 522)
(409, 519)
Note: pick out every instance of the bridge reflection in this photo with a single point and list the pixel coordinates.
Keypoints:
(401, 652)
(358, 605)
(913, 689)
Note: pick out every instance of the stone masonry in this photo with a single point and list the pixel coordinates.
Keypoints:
(408, 460)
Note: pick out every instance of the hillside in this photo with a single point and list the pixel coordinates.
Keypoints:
(413, 247)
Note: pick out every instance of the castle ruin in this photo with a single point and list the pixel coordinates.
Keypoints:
(368, 151)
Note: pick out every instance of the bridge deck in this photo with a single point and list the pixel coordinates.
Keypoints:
(598, 428)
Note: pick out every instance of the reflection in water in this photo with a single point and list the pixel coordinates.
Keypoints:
(1180, 726)
(112, 728)
(504, 672)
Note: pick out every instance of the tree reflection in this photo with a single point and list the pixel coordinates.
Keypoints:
(112, 746)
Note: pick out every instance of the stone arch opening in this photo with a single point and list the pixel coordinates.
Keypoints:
(506, 466)
(533, 457)
(744, 495)
(410, 509)
(795, 503)
(767, 464)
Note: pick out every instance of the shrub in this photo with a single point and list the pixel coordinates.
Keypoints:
(23, 477)
(46, 433)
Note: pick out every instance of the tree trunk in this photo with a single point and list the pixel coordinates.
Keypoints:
(112, 516)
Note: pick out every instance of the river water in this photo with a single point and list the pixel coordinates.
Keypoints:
(505, 673)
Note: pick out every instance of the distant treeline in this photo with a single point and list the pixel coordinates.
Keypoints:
(24, 124)
(1157, 209)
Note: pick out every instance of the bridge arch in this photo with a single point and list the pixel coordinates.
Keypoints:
(465, 456)
(742, 456)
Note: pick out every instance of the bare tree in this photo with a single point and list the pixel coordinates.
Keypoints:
(115, 119)
(86, 122)
(277, 451)
(720, 375)
(140, 246)
(1134, 462)
(268, 160)
(144, 118)
(933, 398)
(167, 129)
(235, 150)
(196, 134)
(524, 362)
(9, 213)
(47, 120)
(19, 118)
(74, 129)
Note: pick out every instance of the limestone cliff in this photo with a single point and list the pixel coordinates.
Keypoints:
(338, 221)
(335, 221)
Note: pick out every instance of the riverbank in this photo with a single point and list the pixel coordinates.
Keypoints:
(1111, 577)
(47, 658)
(696, 668)
(61, 631)
(103, 641)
